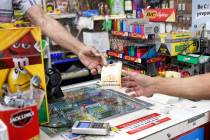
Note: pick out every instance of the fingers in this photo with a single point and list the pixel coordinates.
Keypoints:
(93, 71)
(129, 84)
(98, 54)
(91, 58)
(134, 92)
(99, 69)
(104, 61)
(130, 74)
(130, 90)
(125, 73)
(94, 68)
(139, 91)
(127, 78)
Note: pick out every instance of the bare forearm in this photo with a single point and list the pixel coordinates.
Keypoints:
(55, 30)
(196, 87)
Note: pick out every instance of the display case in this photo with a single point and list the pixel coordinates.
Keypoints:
(91, 103)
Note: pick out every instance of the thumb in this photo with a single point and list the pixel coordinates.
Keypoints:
(126, 73)
(95, 52)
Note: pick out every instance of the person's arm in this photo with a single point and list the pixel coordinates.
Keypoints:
(195, 87)
(89, 56)
(54, 29)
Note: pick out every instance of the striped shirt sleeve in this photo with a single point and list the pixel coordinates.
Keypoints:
(24, 5)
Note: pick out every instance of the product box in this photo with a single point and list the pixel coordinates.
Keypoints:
(177, 48)
(22, 123)
(193, 58)
(22, 68)
(174, 44)
(160, 15)
(117, 7)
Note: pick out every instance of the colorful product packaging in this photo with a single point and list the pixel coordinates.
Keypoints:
(22, 68)
(22, 123)
(174, 44)
(161, 15)
(117, 7)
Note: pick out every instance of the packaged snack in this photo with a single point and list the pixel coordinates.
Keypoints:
(117, 7)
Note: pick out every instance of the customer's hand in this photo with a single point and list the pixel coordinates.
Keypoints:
(92, 59)
(141, 85)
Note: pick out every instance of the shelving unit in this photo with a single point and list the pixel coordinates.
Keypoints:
(62, 16)
(64, 61)
(111, 17)
(128, 34)
(124, 57)
(67, 60)
(75, 74)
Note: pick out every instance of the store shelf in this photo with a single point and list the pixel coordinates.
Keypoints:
(67, 60)
(128, 34)
(124, 57)
(62, 16)
(109, 17)
(75, 74)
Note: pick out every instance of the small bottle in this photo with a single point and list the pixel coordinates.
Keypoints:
(138, 13)
(171, 4)
(128, 6)
(135, 4)
(179, 8)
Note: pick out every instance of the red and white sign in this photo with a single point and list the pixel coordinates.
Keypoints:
(22, 123)
(161, 15)
(143, 123)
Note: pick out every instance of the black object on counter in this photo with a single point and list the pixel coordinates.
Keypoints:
(53, 84)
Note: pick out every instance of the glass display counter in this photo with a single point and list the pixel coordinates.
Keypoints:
(91, 103)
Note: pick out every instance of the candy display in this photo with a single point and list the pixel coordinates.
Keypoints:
(22, 69)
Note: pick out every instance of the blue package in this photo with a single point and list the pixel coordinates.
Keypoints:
(121, 25)
(140, 29)
(124, 26)
(90, 13)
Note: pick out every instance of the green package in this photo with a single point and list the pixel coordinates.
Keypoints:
(117, 7)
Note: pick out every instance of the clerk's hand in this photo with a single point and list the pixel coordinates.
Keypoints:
(92, 59)
(141, 85)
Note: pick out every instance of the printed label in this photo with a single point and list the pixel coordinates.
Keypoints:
(143, 123)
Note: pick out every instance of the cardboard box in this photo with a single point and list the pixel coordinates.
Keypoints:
(21, 60)
(174, 44)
